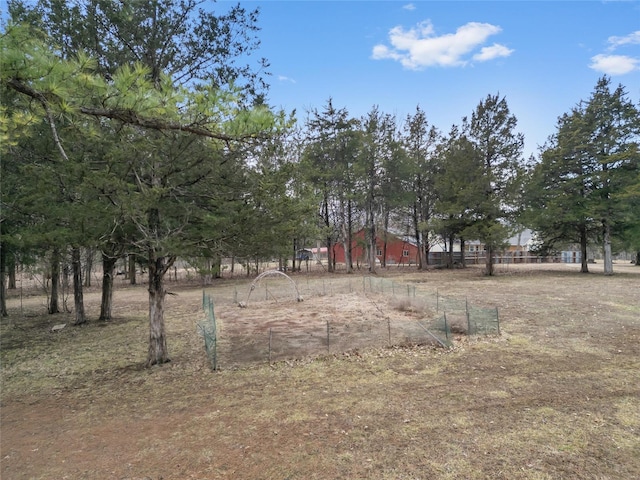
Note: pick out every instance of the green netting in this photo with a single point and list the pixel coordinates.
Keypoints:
(436, 319)
(483, 321)
(463, 317)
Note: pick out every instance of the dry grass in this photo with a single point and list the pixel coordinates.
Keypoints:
(557, 395)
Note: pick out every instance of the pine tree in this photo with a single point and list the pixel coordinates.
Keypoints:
(492, 132)
(165, 91)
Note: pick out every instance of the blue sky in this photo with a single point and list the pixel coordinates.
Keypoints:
(446, 57)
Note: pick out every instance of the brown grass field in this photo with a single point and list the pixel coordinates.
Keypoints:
(555, 396)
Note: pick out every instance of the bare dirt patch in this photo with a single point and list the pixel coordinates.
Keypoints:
(557, 395)
(320, 325)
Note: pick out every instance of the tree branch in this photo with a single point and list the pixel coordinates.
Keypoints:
(42, 99)
(132, 118)
(129, 117)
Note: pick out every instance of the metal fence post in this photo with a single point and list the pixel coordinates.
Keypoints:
(446, 327)
(328, 348)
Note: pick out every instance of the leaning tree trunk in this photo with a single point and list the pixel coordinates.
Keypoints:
(385, 244)
(78, 300)
(108, 269)
(54, 306)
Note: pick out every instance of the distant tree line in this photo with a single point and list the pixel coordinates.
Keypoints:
(135, 129)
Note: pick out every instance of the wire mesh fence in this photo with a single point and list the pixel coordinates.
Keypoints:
(284, 318)
(209, 331)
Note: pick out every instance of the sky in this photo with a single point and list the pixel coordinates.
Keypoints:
(446, 57)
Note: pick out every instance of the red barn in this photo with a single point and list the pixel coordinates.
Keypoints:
(398, 250)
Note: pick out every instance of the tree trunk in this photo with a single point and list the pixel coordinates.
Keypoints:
(450, 259)
(11, 273)
(463, 261)
(350, 232)
(78, 300)
(606, 247)
(54, 306)
(88, 267)
(383, 262)
(346, 244)
(373, 247)
(426, 246)
(295, 254)
(3, 285)
(158, 352)
(217, 267)
(416, 228)
(132, 269)
(327, 224)
(488, 270)
(108, 269)
(638, 258)
(346, 233)
(584, 266)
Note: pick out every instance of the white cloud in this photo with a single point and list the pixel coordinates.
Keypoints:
(614, 64)
(409, 6)
(494, 51)
(419, 47)
(282, 78)
(631, 39)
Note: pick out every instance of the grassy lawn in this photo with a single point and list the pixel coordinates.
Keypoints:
(555, 396)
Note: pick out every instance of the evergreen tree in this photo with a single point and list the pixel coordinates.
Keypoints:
(159, 173)
(377, 150)
(330, 158)
(492, 132)
(585, 187)
(420, 143)
(559, 191)
(459, 167)
(613, 125)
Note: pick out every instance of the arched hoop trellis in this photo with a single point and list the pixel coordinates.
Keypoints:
(269, 273)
